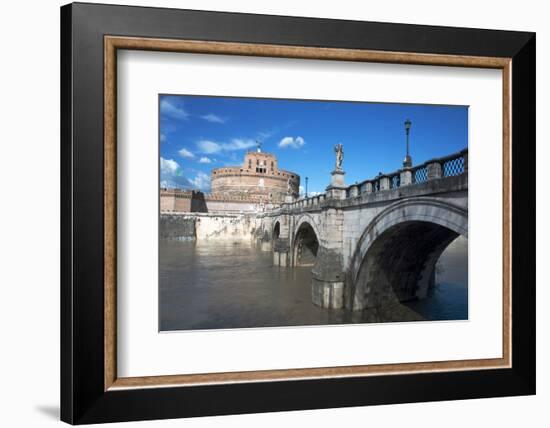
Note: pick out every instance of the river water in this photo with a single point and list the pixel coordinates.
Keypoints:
(218, 284)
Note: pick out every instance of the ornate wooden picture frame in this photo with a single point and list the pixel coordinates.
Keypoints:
(91, 390)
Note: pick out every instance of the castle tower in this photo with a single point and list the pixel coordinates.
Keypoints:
(258, 179)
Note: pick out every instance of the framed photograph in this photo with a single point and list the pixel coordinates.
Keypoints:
(266, 213)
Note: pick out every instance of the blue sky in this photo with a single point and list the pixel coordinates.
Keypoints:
(199, 133)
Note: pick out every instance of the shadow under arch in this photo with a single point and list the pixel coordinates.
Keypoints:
(305, 245)
(395, 257)
(276, 230)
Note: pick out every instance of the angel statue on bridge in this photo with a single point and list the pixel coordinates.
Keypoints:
(339, 150)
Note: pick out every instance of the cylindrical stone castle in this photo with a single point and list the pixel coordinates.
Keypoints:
(258, 179)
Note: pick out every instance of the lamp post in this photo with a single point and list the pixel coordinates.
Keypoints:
(407, 162)
(307, 178)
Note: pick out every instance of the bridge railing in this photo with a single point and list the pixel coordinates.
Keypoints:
(307, 202)
(447, 166)
(420, 174)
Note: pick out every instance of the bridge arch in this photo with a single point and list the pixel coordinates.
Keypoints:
(395, 257)
(305, 242)
(276, 232)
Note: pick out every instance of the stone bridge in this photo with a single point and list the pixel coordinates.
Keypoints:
(374, 242)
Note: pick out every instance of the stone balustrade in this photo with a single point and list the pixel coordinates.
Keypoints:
(448, 166)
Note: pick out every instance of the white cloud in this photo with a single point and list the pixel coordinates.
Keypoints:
(214, 118)
(239, 144)
(184, 153)
(168, 166)
(171, 175)
(205, 159)
(292, 142)
(162, 138)
(201, 181)
(207, 146)
(173, 110)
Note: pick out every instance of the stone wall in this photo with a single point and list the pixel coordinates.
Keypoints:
(171, 201)
(177, 200)
(230, 206)
(225, 226)
(201, 226)
(172, 226)
(187, 201)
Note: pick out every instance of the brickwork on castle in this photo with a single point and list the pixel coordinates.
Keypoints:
(178, 200)
(258, 179)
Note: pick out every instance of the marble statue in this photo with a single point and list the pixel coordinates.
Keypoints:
(339, 150)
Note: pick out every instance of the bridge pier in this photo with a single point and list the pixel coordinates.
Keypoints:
(265, 241)
(328, 291)
(281, 252)
(328, 277)
(281, 241)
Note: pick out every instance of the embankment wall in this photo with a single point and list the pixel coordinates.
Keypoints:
(207, 226)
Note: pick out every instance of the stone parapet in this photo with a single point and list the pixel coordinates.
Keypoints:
(384, 183)
(434, 170)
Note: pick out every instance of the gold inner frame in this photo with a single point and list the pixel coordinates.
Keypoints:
(113, 43)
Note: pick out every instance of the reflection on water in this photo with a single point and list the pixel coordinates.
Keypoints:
(216, 284)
